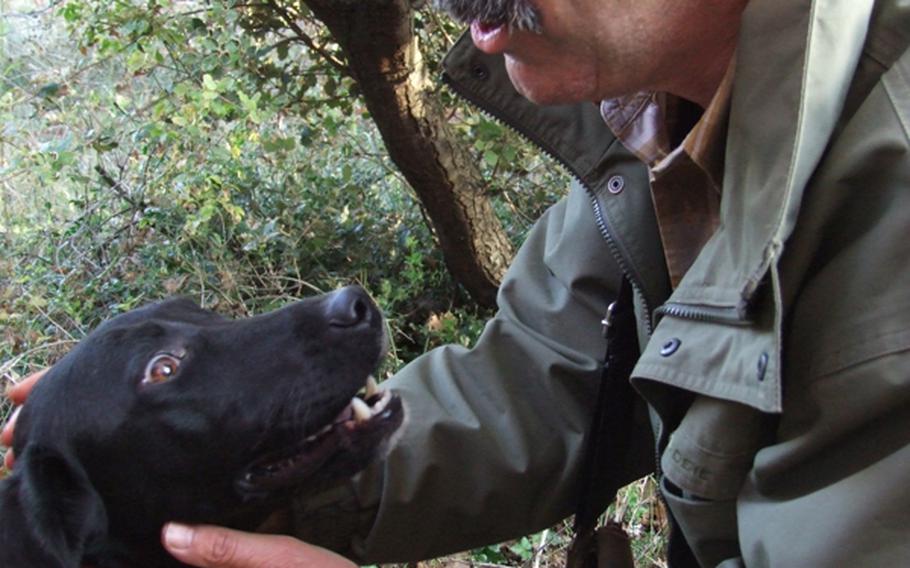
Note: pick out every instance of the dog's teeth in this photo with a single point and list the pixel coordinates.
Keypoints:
(361, 410)
(371, 387)
(382, 402)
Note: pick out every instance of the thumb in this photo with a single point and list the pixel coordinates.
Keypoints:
(216, 547)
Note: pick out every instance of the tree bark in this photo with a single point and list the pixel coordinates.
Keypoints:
(384, 58)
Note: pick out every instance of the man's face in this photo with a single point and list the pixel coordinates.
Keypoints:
(580, 50)
(552, 65)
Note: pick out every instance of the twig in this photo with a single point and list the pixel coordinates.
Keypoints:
(540, 547)
(117, 185)
(33, 13)
(48, 317)
(8, 366)
(435, 17)
(307, 40)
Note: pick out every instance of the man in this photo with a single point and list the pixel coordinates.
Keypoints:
(747, 170)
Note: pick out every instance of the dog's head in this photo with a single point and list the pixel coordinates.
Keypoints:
(171, 412)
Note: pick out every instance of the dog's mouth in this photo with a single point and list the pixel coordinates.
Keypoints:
(346, 445)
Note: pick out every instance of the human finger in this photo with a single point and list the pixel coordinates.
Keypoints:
(217, 547)
(20, 391)
(17, 394)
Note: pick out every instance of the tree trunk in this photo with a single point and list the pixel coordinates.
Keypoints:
(383, 57)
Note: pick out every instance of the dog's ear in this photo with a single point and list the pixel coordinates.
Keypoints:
(50, 515)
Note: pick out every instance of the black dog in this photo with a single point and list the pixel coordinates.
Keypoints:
(173, 413)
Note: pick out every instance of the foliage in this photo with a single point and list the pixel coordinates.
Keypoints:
(193, 148)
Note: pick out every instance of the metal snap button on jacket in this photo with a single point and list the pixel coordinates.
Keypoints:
(670, 347)
(762, 366)
(480, 71)
(616, 184)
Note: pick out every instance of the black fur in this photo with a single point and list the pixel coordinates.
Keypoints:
(104, 460)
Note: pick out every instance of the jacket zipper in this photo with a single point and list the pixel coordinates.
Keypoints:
(599, 219)
(601, 223)
(730, 315)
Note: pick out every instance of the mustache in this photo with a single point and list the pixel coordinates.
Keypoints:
(517, 14)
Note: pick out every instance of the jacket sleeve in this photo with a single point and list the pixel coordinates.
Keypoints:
(493, 434)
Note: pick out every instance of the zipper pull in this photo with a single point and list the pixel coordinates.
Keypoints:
(608, 319)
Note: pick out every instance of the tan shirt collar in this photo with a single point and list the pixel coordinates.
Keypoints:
(686, 180)
(643, 123)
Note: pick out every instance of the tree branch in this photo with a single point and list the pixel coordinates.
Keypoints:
(117, 186)
(304, 38)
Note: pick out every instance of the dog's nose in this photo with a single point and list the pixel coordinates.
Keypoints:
(348, 307)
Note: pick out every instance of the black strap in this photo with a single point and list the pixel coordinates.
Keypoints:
(614, 413)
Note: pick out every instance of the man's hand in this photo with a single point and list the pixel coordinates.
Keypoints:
(17, 395)
(216, 547)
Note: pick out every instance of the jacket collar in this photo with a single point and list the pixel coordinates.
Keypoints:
(795, 62)
(577, 137)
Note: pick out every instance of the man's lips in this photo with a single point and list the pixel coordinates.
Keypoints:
(490, 37)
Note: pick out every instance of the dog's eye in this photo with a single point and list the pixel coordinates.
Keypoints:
(161, 368)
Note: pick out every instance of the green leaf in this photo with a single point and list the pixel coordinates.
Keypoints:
(121, 101)
(330, 86)
(279, 144)
(282, 51)
(72, 11)
(209, 83)
(50, 90)
(135, 61)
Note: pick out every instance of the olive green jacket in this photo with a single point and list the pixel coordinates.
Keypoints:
(798, 307)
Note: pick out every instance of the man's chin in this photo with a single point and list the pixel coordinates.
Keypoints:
(540, 88)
